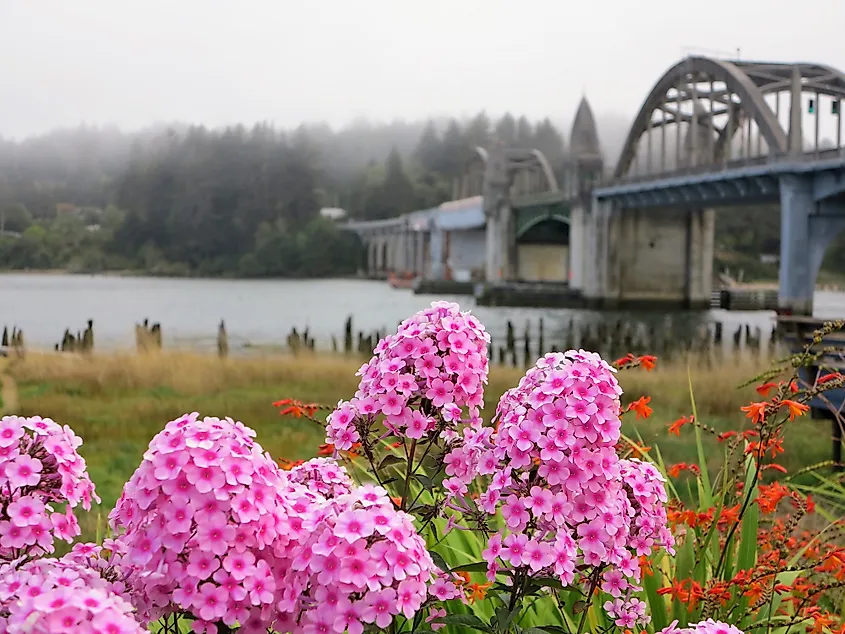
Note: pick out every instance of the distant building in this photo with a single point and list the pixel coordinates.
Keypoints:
(769, 258)
(66, 208)
(333, 213)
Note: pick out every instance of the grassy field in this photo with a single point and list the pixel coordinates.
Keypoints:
(117, 402)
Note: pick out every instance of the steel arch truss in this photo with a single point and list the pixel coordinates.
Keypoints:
(706, 102)
(529, 173)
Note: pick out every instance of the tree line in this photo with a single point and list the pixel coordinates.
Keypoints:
(188, 200)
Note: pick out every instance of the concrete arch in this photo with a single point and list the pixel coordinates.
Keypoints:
(532, 161)
(539, 220)
(547, 170)
(737, 82)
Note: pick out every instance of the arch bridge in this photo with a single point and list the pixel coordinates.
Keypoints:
(508, 217)
(710, 133)
(714, 133)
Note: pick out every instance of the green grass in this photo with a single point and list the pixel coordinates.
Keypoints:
(117, 403)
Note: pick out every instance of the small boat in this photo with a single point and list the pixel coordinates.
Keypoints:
(404, 281)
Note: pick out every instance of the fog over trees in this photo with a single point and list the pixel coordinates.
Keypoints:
(180, 199)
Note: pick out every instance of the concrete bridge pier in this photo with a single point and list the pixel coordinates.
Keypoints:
(808, 227)
(437, 253)
(645, 258)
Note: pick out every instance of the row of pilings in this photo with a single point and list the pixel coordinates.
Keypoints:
(12, 340)
(516, 346)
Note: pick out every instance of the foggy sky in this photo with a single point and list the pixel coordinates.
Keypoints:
(132, 63)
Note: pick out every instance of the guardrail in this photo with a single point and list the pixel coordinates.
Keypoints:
(726, 166)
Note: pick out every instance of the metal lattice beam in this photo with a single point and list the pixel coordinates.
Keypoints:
(734, 90)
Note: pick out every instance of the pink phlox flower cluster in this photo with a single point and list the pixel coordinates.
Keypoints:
(567, 501)
(207, 525)
(447, 586)
(40, 469)
(419, 379)
(628, 612)
(704, 627)
(463, 459)
(650, 528)
(363, 564)
(77, 594)
(324, 476)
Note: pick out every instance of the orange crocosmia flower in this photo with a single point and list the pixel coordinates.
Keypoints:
(325, 450)
(639, 451)
(795, 408)
(624, 360)
(725, 435)
(648, 362)
(770, 495)
(827, 378)
(283, 402)
(675, 428)
(675, 470)
(640, 406)
(776, 467)
(755, 411)
(463, 577)
(765, 388)
(478, 591)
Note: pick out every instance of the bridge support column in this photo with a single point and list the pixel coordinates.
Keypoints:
(650, 257)
(381, 255)
(372, 256)
(501, 245)
(595, 260)
(795, 283)
(701, 234)
(436, 248)
(419, 253)
(807, 229)
(578, 233)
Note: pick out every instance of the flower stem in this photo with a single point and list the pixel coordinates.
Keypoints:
(408, 473)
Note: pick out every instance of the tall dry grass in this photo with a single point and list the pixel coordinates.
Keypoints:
(329, 378)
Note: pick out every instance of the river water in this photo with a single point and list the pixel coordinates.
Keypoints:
(262, 312)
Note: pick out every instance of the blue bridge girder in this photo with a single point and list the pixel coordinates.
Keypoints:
(734, 183)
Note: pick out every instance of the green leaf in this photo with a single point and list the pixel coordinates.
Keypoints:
(547, 582)
(390, 460)
(479, 566)
(439, 561)
(656, 603)
(467, 620)
(504, 618)
(537, 630)
(705, 489)
(425, 481)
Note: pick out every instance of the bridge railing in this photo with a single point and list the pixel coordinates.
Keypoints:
(724, 166)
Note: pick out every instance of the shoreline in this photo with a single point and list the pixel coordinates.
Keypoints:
(134, 273)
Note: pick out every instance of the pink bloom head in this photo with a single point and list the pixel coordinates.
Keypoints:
(40, 469)
(567, 501)
(363, 564)
(208, 524)
(704, 627)
(436, 360)
(322, 475)
(80, 593)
